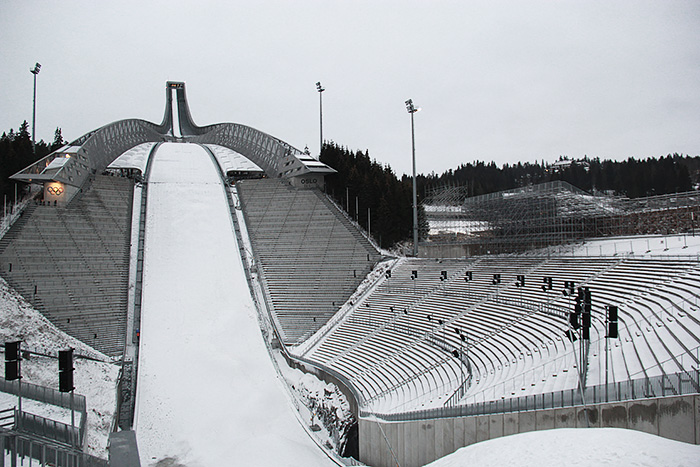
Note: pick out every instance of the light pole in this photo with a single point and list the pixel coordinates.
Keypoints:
(34, 71)
(411, 110)
(320, 90)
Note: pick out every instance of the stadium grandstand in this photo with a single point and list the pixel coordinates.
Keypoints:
(529, 309)
(547, 214)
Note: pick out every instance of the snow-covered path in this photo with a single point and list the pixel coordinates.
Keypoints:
(207, 393)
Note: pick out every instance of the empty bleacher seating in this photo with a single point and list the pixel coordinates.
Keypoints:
(311, 257)
(398, 344)
(72, 262)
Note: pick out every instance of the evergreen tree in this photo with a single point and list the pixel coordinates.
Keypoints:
(15, 154)
(370, 192)
(58, 141)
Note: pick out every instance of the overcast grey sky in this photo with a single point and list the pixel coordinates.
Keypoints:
(496, 81)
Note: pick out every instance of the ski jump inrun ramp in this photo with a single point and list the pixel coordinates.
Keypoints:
(208, 393)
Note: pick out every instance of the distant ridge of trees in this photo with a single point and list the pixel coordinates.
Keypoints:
(633, 178)
(16, 153)
(381, 202)
(369, 184)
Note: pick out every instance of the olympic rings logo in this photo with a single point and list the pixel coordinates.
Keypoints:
(55, 190)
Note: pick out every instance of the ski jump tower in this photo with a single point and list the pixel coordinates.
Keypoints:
(65, 171)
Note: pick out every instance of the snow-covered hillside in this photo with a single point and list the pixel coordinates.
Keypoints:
(95, 379)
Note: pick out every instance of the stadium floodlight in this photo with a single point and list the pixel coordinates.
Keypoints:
(34, 71)
(320, 90)
(411, 110)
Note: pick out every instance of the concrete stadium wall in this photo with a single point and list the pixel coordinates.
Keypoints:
(416, 443)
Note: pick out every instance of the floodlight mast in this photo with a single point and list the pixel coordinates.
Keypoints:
(320, 90)
(411, 110)
(34, 71)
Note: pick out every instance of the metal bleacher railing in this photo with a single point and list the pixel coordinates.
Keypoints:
(302, 247)
(643, 312)
(65, 259)
(13, 214)
(677, 384)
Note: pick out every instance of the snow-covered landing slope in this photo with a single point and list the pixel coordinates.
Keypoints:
(208, 394)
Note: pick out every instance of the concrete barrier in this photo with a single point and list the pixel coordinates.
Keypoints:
(418, 442)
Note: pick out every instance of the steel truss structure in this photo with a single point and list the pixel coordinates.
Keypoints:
(548, 214)
(93, 152)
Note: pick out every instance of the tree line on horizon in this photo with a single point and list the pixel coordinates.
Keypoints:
(633, 178)
(16, 153)
(365, 187)
(381, 202)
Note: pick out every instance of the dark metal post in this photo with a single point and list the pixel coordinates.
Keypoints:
(19, 389)
(34, 71)
(74, 442)
(320, 90)
(411, 110)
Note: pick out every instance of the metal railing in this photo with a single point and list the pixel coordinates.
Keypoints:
(129, 370)
(23, 449)
(16, 210)
(677, 384)
(7, 418)
(268, 152)
(45, 395)
(50, 429)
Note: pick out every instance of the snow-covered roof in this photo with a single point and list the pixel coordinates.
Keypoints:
(134, 158)
(232, 161)
(56, 163)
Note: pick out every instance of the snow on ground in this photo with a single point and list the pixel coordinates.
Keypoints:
(96, 380)
(675, 246)
(652, 245)
(208, 393)
(575, 447)
(321, 405)
(20, 321)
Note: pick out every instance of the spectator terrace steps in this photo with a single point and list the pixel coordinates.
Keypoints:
(311, 257)
(76, 260)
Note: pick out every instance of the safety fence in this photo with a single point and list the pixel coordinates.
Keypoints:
(44, 394)
(22, 449)
(58, 432)
(678, 384)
